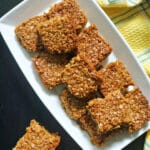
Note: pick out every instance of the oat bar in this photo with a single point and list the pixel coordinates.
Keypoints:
(97, 138)
(92, 46)
(111, 112)
(49, 68)
(140, 109)
(74, 107)
(87, 124)
(115, 76)
(69, 8)
(78, 77)
(58, 35)
(27, 34)
(115, 111)
(37, 138)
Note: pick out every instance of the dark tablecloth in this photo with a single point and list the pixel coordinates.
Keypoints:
(19, 104)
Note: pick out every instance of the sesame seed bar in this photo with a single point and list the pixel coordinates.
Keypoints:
(49, 68)
(69, 8)
(78, 77)
(140, 109)
(92, 46)
(37, 138)
(115, 76)
(27, 34)
(58, 35)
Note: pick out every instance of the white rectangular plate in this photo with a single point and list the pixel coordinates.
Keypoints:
(121, 51)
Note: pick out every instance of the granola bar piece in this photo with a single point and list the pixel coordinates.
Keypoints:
(37, 138)
(58, 35)
(116, 110)
(79, 78)
(50, 67)
(140, 109)
(27, 33)
(115, 76)
(69, 8)
(74, 107)
(87, 124)
(97, 138)
(92, 46)
(111, 112)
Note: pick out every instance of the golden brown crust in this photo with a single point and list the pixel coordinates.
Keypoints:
(27, 34)
(69, 8)
(78, 77)
(58, 35)
(92, 46)
(49, 68)
(115, 76)
(36, 138)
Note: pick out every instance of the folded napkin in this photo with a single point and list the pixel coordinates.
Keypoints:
(119, 3)
(132, 18)
(147, 142)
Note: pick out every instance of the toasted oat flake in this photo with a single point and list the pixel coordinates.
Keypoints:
(92, 46)
(50, 67)
(78, 77)
(27, 33)
(37, 138)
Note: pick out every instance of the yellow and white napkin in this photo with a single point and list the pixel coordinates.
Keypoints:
(132, 18)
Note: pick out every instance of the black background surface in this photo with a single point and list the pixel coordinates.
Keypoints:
(19, 104)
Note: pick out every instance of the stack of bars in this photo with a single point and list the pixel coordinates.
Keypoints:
(102, 100)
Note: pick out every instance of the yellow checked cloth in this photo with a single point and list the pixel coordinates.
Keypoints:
(132, 18)
(147, 142)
